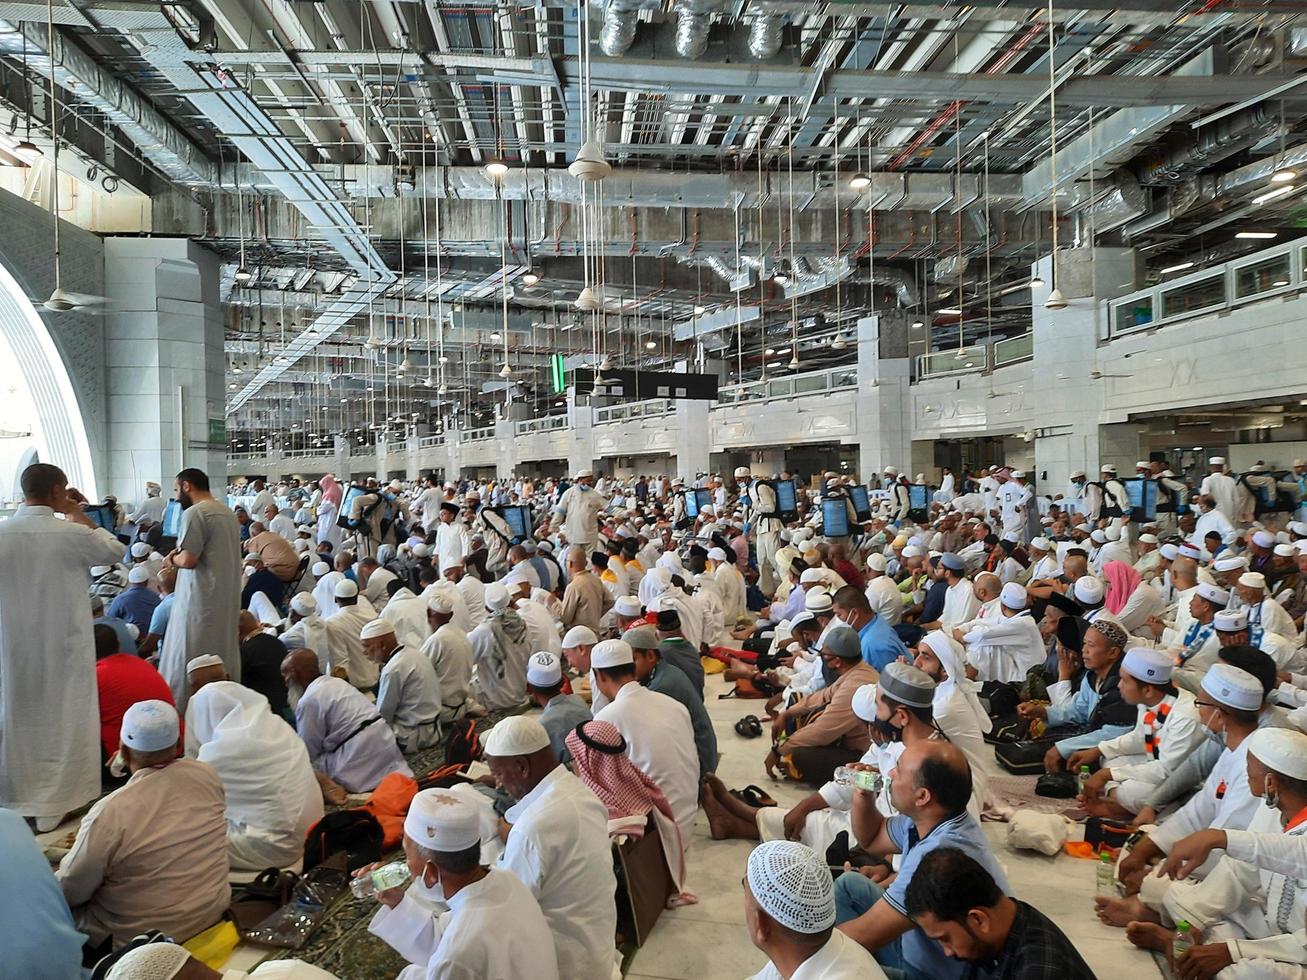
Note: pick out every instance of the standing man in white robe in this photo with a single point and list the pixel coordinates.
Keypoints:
(1221, 486)
(49, 752)
(460, 919)
(452, 544)
(208, 594)
(558, 846)
(579, 507)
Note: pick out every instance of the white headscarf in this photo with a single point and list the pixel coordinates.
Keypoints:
(264, 766)
(951, 657)
(654, 584)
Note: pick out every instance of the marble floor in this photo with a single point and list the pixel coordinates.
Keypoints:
(709, 939)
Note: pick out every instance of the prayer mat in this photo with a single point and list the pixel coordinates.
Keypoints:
(1008, 794)
(341, 944)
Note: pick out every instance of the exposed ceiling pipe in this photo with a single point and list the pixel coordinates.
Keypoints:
(621, 17)
(1210, 145)
(766, 32)
(692, 25)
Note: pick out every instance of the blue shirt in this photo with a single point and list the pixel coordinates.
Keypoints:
(162, 612)
(933, 607)
(125, 642)
(920, 952)
(135, 605)
(37, 933)
(881, 646)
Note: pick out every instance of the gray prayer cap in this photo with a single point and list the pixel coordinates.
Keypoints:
(641, 637)
(952, 562)
(907, 685)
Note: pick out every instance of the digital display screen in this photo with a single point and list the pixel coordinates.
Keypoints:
(1142, 495)
(787, 497)
(918, 496)
(861, 502)
(519, 519)
(101, 515)
(697, 500)
(835, 517)
(347, 503)
(172, 519)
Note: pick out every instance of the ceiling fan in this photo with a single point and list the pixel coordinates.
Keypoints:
(1096, 375)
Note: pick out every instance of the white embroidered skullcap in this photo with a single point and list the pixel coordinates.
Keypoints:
(345, 589)
(1284, 551)
(1088, 590)
(202, 661)
(1281, 750)
(440, 603)
(1189, 550)
(140, 550)
(376, 628)
(792, 884)
(304, 603)
(1099, 536)
(817, 600)
(321, 568)
(1230, 621)
(876, 562)
(612, 653)
(1148, 539)
(1147, 665)
(543, 670)
(1263, 539)
(1253, 580)
(1212, 593)
(1169, 551)
(153, 961)
(422, 549)
(1112, 533)
(1233, 687)
(579, 636)
(442, 821)
(912, 551)
(496, 596)
(1216, 461)
(813, 575)
(1042, 544)
(518, 734)
(139, 575)
(1014, 596)
(627, 605)
(150, 726)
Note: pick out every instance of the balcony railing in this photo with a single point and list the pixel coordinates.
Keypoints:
(431, 442)
(1263, 275)
(1013, 349)
(634, 410)
(810, 383)
(547, 423)
(479, 435)
(954, 360)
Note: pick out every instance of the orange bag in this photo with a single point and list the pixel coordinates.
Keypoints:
(389, 804)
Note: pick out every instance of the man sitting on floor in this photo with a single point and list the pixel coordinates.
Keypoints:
(408, 691)
(347, 739)
(152, 855)
(789, 909)
(561, 712)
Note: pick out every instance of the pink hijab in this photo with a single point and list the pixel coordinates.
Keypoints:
(1122, 580)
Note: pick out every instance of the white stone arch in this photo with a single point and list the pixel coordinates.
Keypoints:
(58, 429)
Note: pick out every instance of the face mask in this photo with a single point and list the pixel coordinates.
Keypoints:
(888, 730)
(435, 894)
(828, 673)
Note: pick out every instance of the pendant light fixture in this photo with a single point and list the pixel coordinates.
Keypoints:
(1055, 301)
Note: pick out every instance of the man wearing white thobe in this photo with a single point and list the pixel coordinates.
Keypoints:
(307, 630)
(49, 752)
(558, 846)
(658, 731)
(450, 653)
(1211, 518)
(343, 628)
(579, 507)
(408, 691)
(960, 602)
(346, 738)
(456, 922)
(1221, 487)
(408, 614)
(1014, 498)
(730, 586)
(459, 603)
(473, 591)
(374, 581)
(263, 499)
(452, 542)
(883, 594)
(500, 650)
(1004, 649)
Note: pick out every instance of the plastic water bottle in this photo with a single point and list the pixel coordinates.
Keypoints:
(381, 879)
(858, 779)
(1182, 942)
(1082, 779)
(1106, 874)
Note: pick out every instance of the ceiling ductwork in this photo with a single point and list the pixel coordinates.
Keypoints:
(694, 18)
(621, 18)
(1210, 145)
(1123, 202)
(766, 31)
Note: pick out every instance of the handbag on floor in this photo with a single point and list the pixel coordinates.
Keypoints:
(1026, 757)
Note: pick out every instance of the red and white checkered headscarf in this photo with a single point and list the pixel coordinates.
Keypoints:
(599, 752)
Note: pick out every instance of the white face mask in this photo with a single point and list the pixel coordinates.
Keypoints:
(434, 893)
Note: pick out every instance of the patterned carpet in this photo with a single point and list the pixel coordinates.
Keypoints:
(342, 944)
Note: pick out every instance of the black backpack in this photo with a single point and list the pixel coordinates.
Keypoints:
(355, 833)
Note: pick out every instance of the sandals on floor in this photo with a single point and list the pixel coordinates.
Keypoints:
(749, 727)
(754, 796)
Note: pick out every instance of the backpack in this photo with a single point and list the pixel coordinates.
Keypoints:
(355, 833)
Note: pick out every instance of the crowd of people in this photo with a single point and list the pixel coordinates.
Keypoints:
(208, 696)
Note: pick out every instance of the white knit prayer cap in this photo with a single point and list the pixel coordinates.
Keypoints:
(376, 628)
(543, 669)
(205, 660)
(321, 568)
(153, 961)
(1281, 750)
(1088, 590)
(1014, 596)
(441, 821)
(1233, 687)
(150, 726)
(864, 702)
(627, 605)
(1147, 665)
(579, 636)
(440, 603)
(612, 653)
(792, 884)
(518, 735)
(875, 561)
(496, 596)
(345, 589)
